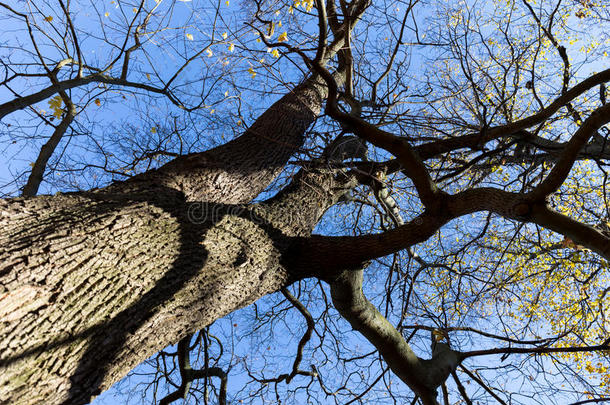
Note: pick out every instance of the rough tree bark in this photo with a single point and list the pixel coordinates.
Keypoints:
(93, 283)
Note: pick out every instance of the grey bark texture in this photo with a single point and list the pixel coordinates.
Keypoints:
(239, 170)
(93, 283)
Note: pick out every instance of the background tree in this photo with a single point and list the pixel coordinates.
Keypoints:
(469, 246)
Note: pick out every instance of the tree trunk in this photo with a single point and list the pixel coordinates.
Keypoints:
(238, 171)
(91, 284)
(94, 283)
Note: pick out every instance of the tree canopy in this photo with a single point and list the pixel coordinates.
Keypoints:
(305, 201)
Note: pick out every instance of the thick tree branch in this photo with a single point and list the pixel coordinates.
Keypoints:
(487, 334)
(326, 254)
(422, 376)
(475, 140)
(536, 350)
(582, 234)
(323, 256)
(562, 168)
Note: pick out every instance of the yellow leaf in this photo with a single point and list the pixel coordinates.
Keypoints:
(135, 10)
(106, 14)
(270, 29)
(438, 335)
(209, 52)
(189, 37)
(252, 72)
(283, 37)
(224, 35)
(55, 104)
(153, 130)
(227, 2)
(239, 123)
(97, 102)
(48, 19)
(32, 165)
(275, 53)
(279, 23)
(231, 47)
(290, 10)
(227, 93)
(148, 76)
(55, 101)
